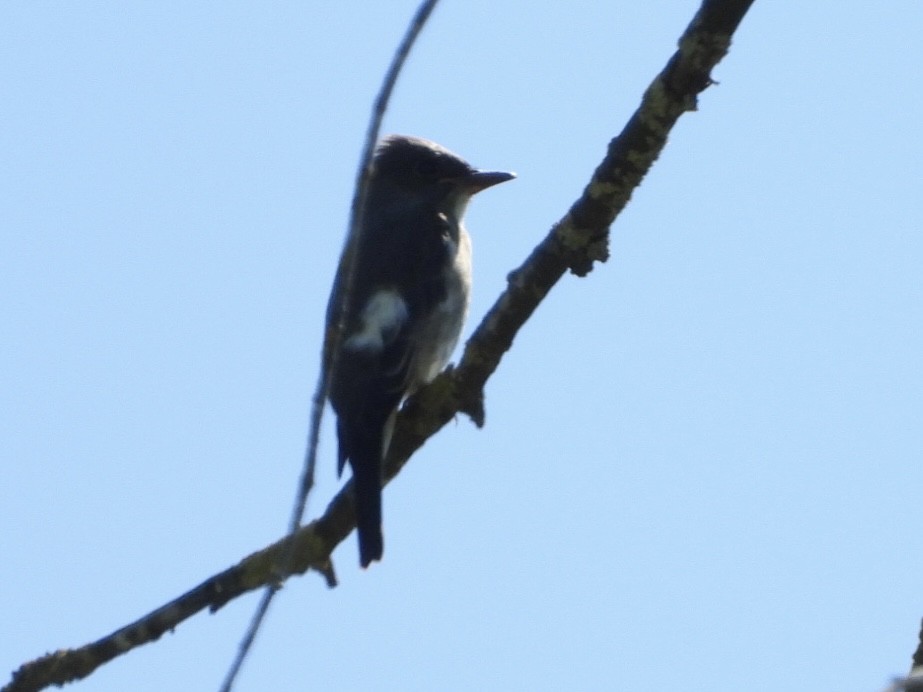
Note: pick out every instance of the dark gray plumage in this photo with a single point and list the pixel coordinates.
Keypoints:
(406, 306)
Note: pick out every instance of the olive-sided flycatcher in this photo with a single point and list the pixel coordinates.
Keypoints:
(403, 308)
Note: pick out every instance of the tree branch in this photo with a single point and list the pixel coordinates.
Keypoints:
(575, 243)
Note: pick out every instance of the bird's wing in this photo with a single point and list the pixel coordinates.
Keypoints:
(398, 280)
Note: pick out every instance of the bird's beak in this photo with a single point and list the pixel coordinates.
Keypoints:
(481, 180)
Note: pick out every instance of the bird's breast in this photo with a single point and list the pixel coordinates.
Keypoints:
(439, 331)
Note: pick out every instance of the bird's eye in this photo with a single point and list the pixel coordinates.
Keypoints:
(425, 168)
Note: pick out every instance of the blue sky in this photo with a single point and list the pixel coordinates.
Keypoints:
(701, 464)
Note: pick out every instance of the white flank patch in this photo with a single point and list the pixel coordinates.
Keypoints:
(382, 316)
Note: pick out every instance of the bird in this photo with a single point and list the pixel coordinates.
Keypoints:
(398, 304)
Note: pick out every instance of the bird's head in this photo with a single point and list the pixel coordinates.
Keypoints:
(424, 169)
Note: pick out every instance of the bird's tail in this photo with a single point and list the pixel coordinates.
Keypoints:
(362, 444)
(367, 485)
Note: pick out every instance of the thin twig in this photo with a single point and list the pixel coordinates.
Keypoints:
(328, 368)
